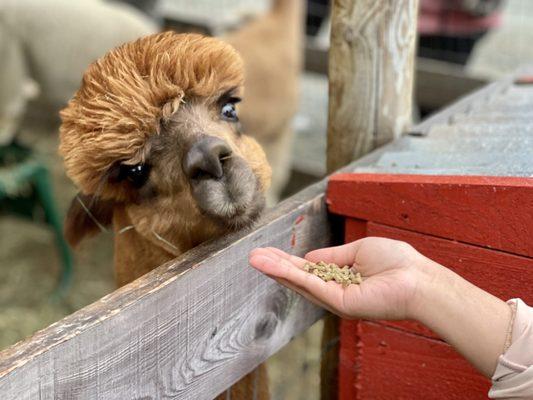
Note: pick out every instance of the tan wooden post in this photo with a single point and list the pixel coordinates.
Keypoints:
(371, 73)
(371, 69)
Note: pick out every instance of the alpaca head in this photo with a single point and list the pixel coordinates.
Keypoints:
(154, 131)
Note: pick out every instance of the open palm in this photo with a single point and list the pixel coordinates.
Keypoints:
(389, 270)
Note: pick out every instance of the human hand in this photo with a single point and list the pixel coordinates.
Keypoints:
(391, 270)
(399, 283)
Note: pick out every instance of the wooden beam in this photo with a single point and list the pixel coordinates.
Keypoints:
(483, 210)
(390, 364)
(371, 66)
(437, 83)
(189, 329)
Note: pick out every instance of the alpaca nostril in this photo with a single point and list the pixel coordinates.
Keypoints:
(205, 159)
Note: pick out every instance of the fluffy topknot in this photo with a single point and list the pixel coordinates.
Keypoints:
(125, 95)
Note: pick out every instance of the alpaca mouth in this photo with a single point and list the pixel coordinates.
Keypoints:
(235, 200)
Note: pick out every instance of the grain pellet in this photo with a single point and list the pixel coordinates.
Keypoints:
(332, 272)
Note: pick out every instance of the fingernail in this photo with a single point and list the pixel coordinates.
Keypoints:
(254, 251)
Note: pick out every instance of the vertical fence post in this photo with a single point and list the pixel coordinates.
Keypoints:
(371, 73)
(371, 69)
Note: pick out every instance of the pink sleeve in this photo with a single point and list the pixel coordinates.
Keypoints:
(513, 378)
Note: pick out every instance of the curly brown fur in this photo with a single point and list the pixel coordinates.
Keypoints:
(153, 143)
(136, 103)
(124, 94)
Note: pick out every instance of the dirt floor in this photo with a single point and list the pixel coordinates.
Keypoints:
(29, 264)
(29, 268)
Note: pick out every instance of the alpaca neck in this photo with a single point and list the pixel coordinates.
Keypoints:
(137, 253)
(290, 17)
(134, 255)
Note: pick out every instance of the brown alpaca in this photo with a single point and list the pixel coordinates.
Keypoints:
(272, 49)
(152, 141)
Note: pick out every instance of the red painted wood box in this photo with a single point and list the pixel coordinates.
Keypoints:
(480, 227)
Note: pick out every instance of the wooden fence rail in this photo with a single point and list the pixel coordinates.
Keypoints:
(189, 329)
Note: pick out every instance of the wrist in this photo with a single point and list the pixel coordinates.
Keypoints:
(430, 280)
(471, 320)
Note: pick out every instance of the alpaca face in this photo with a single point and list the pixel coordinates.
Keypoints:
(200, 169)
(153, 136)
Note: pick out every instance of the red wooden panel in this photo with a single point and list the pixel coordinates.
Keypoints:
(492, 212)
(354, 229)
(378, 362)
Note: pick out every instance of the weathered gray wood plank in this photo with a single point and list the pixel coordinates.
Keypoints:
(468, 161)
(465, 104)
(189, 329)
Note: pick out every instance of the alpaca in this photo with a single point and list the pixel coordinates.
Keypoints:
(272, 49)
(152, 139)
(46, 45)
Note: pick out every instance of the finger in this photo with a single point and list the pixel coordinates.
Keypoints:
(330, 294)
(298, 261)
(279, 265)
(340, 255)
(271, 264)
(262, 259)
(277, 255)
(338, 309)
(264, 264)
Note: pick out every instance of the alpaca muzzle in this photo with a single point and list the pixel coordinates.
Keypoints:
(222, 183)
(205, 159)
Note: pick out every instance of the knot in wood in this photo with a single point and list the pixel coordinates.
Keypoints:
(266, 326)
(349, 34)
(279, 304)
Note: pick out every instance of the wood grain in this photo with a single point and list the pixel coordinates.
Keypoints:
(371, 64)
(493, 212)
(187, 330)
(379, 362)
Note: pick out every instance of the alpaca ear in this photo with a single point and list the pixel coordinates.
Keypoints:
(87, 216)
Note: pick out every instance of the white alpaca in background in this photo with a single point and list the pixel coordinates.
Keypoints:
(51, 43)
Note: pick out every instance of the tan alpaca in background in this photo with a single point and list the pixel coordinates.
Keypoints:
(153, 142)
(272, 49)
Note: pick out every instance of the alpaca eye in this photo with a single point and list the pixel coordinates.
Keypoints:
(137, 174)
(229, 113)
